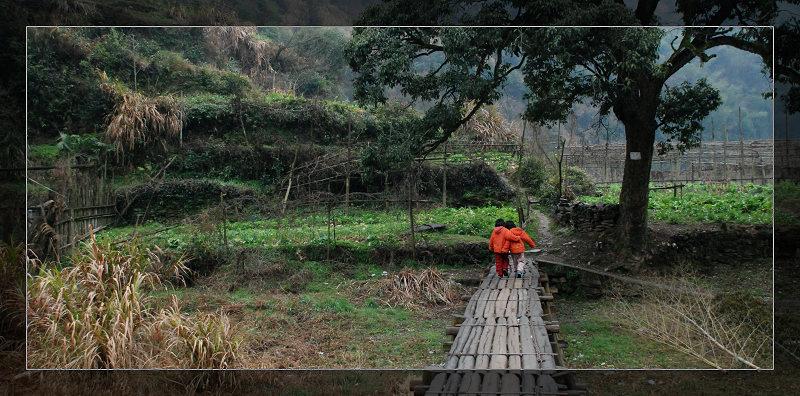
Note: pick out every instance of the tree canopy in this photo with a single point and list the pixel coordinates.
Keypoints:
(617, 69)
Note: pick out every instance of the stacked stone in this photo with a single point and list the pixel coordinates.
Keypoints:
(587, 218)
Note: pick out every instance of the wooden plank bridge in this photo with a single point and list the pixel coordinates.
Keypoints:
(506, 342)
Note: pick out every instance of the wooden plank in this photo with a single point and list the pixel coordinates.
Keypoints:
(499, 346)
(494, 282)
(485, 345)
(491, 383)
(473, 301)
(518, 283)
(502, 302)
(487, 281)
(452, 384)
(490, 304)
(467, 362)
(534, 304)
(529, 385)
(543, 343)
(480, 307)
(437, 385)
(526, 341)
(458, 343)
(509, 384)
(514, 361)
(546, 384)
(522, 306)
(513, 301)
(470, 384)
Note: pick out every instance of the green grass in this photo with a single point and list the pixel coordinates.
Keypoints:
(599, 339)
(43, 154)
(361, 227)
(787, 203)
(700, 203)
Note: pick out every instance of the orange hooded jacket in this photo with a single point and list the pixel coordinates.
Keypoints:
(517, 246)
(500, 237)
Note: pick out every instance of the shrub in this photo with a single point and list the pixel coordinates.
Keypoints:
(173, 198)
(531, 174)
(578, 182)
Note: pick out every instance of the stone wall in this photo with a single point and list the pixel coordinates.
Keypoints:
(587, 218)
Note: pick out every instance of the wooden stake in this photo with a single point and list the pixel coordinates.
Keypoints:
(741, 147)
(328, 247)
(444, 178)
(725, 152)
(291, 172)
(347, 171)
(411, 211)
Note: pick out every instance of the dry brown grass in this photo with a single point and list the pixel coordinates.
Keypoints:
(726, 331)
(413, 288)
(138, 119)
(487, 125)
(97, 313)
(12, 300)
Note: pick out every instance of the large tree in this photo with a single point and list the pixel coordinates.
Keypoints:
(618, 69)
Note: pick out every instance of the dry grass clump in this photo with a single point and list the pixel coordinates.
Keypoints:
(410, 288)
(97, 313)
(726, 331)
(12, 300)
(486, 125)
(139, 119)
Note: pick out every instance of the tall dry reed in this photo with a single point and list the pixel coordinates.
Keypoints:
(99, 313)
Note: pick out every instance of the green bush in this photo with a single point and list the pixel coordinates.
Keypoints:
(531, 174)
(174, 198)
(578, 182)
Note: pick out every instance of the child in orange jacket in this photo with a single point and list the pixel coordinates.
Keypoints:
(499, 237)
(517, 247)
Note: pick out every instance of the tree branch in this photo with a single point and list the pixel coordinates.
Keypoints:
(645, 10)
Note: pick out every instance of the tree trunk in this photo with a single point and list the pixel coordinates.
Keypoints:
(637, 113)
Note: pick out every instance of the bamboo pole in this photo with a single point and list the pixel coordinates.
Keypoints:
(713, 154)
(725, 152)
(741, 146)
(347, 177)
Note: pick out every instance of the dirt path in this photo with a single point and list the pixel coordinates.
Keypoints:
(545, 238)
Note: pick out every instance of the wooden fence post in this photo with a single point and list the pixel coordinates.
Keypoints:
(713, 153)
(291, 172)
(411, 188)
(444, 178)
(725, 153)
(328, 241)
(347, 177)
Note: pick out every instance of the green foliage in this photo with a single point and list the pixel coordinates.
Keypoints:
(336, 305)
(174, 198)
(682, 108)
(469, 65)
(745, 204)
(531, 174)
(787, 203)
(63, 92)
(86, 147)
(578, 182)
(43, 154)
(468, 221)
